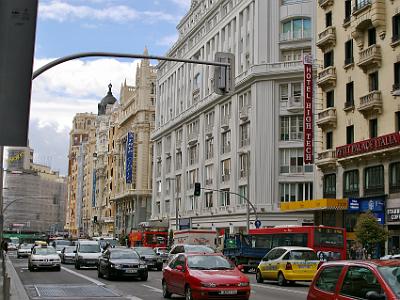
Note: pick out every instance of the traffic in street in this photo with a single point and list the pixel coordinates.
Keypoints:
(70, 283)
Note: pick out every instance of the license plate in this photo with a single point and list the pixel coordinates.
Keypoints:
(130, 271)
(228, 292)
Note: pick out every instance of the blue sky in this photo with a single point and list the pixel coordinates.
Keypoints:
(70, 26)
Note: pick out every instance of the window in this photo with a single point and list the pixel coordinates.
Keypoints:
(330, 186)
(291, 161)
(349, 94)
(243, 165)
(226, 170)
(328, 59)
(396, 28)
(396, 85)
(371, 36)
(348, 52)
(291, 128)
(347, 11)
(209, 200)
(178, 183)
(178, 162)
(284, 92)
(168, 164)
(329, 140)
(350, 183)
(210, 148)
(192, 178)
(245, 100)
(244, 134)
(397, 120)
(374, 181)
(328, 19)
(296, 29)
(358, 281)
(226, 110)
(373, 128)
(209, 118)
(330, 99)
(225, 199)
(226, 142)
(290, 192)
(243, 192)
(192, 203)
(209, 174)
(328, 278)
(350, 134)
(193, 157)
(394, 177)
(373, 81)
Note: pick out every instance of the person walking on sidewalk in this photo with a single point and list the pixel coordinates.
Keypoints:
(4, 246)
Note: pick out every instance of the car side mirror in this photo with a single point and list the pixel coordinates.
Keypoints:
(74, 251)
(373, 295)
(241, 268)
(143, 257)
(179, 268)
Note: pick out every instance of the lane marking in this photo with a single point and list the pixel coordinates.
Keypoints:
(279, 289)
(153, 288)
(96, 282)
(132, 297)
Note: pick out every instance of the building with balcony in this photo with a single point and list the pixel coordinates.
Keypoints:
(359, 116)
(249, 143)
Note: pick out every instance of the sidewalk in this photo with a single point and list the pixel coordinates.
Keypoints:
(17, 289)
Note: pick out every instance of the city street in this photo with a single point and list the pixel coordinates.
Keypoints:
(84, 284)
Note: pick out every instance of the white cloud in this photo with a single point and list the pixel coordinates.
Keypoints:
(62, 11)
(76, 86)
(183, 3)
(168, 40)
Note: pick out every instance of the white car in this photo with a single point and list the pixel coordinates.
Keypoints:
(12, 246)
(68, 255)
(87, 254)
(24, 250)
(44, 257)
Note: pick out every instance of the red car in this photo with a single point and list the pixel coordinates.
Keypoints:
(348, 280)
(204, 276)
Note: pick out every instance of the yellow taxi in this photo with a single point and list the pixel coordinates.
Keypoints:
(288, 264)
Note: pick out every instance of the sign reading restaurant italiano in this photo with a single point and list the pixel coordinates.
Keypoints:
(374, 144)
(308, 110)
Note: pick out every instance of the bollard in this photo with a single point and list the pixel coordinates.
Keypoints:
(6, 287)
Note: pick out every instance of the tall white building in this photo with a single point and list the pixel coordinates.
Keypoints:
(207, 138)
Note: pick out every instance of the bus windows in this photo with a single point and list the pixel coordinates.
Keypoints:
(328, 237)
(289, 239)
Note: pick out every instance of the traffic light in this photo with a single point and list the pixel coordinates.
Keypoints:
(224, 77)
(197, 188)
(94, 219)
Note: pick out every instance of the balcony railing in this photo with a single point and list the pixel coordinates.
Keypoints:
(225, 121)
(295, 35)
(226, 177)
(371, 103)
(360, 5)
(327, 38)
(327, 118)
(327, 78)
(209, 181)
(244, 113)
(326, 159)
(295, 104)
(209, 129)
(370, 58)
(193, 137)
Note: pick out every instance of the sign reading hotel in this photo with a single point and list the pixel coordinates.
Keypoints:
(374, 144)
(129, 157)
(308, 110)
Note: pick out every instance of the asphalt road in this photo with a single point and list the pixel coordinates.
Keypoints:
(84, 284)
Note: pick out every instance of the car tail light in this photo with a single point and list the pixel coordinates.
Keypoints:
(288, 266)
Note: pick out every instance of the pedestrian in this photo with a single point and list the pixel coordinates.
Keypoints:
(4, 246)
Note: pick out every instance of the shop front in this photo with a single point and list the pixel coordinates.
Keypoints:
(393, 226)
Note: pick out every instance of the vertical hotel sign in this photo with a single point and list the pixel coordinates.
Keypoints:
(308, 109)
(129, 157)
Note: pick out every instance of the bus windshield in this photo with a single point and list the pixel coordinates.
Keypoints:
(328, 237)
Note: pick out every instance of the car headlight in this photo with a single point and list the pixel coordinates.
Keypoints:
(243, 284)
(142, 266)
(208, 284)
(116, 266)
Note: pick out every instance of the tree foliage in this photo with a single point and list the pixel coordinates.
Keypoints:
(368, 231)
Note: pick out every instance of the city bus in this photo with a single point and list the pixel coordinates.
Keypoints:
(328, 242)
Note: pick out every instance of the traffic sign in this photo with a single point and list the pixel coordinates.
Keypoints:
(257, 223)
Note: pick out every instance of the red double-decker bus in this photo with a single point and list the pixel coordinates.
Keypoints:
(149, 237)
(328, 242)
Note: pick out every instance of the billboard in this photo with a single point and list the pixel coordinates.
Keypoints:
(308, 110)
(129, 157)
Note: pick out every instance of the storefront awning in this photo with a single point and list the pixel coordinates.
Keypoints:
(316, 204)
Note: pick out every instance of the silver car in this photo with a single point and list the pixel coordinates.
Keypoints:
(24, 250)
(44, 257)
(68, 254)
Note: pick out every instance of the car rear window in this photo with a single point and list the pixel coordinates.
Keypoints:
(328, 278)
(198, 248)
(302, 255)
(391, 274)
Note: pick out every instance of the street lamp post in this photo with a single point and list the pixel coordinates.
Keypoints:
(1, 193)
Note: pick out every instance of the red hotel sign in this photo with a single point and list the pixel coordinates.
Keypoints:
(308, 110)
(374, 144)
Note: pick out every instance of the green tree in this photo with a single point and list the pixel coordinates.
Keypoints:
(368, 231)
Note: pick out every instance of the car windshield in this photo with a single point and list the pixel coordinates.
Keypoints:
(124, 255)
(112, 243)
(69, 249)
(62, 242)
(303, 255)
(162, 251)
(89, 248)
(145, 251)
(60, 247)
(26, 246)
(391, 274)
(198, 248)
(209, 262)
(44, 251)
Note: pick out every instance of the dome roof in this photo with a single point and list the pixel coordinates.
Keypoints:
(109, 99)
